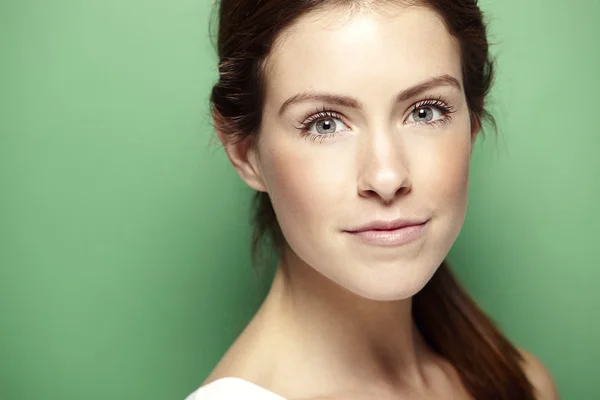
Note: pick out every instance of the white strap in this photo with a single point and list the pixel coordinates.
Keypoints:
(232, 388)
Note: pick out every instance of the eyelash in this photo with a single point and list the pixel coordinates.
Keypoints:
(438, 102)
(310, 118)
(442, 105)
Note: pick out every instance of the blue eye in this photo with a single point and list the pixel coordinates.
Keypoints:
(430, 112)
(327, 126)
(322, 125)
(425, 114)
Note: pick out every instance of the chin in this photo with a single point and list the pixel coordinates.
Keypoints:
(401, 284)
(402, 274)
(380, 273)
(391, 275)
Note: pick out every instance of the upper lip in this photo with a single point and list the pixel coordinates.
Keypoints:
(382, 225)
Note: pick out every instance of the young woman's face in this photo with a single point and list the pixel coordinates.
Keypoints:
(365, 123)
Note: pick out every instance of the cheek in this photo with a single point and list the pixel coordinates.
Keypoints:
(444, 177)
(305, 186)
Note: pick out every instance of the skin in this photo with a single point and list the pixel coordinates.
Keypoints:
(338, 313)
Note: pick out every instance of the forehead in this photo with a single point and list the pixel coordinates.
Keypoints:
(365, 53)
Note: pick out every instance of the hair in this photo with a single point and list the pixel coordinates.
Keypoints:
(453, 325)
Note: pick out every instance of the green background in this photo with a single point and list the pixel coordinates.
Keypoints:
(124, 262)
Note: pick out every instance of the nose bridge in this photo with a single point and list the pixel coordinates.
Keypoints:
(384, 169)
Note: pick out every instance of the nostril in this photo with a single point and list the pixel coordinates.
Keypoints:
(385, 189)
(386, 196)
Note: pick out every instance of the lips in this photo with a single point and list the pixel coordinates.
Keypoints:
(390, 233)
(381, 225)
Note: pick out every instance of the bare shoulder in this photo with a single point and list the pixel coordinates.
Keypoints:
(539, 376)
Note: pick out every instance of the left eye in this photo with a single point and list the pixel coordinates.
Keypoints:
(425, 114)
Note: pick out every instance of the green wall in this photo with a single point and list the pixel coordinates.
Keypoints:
(124, 265)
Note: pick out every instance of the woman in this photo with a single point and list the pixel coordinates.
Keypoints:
(355, 121)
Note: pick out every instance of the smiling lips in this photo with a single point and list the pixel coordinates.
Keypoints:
(389, 233)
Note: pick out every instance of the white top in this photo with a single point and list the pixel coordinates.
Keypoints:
(231, 388)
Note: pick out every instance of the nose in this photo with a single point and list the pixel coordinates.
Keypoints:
(384, 172)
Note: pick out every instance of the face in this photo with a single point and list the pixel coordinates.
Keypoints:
(365, 147)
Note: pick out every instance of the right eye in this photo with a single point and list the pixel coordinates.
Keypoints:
(325, 126)
(322, 125)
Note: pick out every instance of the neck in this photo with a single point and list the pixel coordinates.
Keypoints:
(320, 326)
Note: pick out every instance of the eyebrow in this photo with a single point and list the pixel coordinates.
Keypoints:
(437, 81)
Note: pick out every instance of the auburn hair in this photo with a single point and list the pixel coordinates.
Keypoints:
(489, 366)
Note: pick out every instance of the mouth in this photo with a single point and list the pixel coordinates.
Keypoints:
(390, 233)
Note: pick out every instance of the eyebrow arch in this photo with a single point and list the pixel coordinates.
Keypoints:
(437, 81)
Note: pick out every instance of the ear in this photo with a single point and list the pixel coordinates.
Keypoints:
(244, 158)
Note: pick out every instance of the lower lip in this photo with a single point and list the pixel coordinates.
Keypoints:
(395, 237)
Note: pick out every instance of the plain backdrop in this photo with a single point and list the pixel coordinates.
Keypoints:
(124, 261)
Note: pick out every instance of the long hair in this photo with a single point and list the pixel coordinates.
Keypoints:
(489, 366)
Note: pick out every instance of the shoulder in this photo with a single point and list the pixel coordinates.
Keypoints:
(231, 388)
(539, 376)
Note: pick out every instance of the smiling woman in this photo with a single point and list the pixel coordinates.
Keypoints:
(390, 95)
